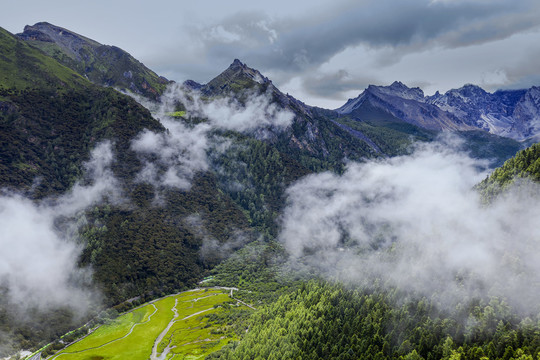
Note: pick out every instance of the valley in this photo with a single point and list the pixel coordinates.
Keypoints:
(175, 326)
(398, 226)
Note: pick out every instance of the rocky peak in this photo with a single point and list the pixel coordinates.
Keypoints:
(71, 43)
(237, 77)
(397, 88)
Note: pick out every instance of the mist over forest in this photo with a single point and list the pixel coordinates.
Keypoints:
(146, 218)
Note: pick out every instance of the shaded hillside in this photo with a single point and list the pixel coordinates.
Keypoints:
(524, 165)
(102, 64)
(50, 120)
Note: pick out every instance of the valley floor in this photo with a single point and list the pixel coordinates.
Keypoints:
(167, 328)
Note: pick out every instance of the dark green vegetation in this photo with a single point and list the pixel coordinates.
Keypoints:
(154, 243)
(140, 247)
(101, 64)
(322, 321)
(525, 165)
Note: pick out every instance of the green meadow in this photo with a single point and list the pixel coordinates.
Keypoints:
(172, 327)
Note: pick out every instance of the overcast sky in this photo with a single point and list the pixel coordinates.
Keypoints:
(322, 52)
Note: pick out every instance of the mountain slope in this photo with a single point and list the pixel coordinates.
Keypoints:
(509, 113)
(22, 66)
(406, 104)
(50, 120)
(524, 165)
(102, 64)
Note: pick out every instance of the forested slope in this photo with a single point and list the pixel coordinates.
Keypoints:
(524, 166)
(323, 321)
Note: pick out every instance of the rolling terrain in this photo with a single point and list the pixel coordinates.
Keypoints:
(205, 179)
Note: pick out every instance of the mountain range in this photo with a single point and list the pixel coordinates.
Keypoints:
(509, 113)
(59, 101)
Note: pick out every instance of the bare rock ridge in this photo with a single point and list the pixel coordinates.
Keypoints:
(102, 64)
(509, 113)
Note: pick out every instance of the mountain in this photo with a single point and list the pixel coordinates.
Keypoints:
(510, 113)
(363, 128)
(160, 239)
(524, 165)
(237, 77)
(102, 64)
(51, 118)
(406, 104)
(23, 66)
(319, 138)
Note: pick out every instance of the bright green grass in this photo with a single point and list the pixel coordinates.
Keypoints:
(132, 335)
(177, 114)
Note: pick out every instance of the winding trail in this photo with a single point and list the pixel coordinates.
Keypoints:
(154, 355)
(197, 313)
(112, 341)
(165, 352)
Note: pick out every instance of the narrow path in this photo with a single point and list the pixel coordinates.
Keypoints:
(112, 341)
(197, 313)
(163, 355)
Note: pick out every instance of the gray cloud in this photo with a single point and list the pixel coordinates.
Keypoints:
(333, 85)
(38, 262)
(415, 223)
(300, 43)
(305, 46)
(211, 248)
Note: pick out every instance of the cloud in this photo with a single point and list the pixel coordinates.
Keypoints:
(415, 223)
(38, 262)
(369, 39)
(227, 113)
(297, 43)
(173, 158)
(212, 249)
(181, 150)
(335, 84)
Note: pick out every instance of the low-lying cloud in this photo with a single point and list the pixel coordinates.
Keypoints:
(38, 261)
(227, 113)
(416, 223)
(182, 149)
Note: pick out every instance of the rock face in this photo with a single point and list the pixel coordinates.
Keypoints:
(481, 109)
(102, 64)
(407, 104)
(237, 77)
(311, 133)
(509, 113)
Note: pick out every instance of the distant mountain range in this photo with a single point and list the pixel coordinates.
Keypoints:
(509, 113)
(513, 114)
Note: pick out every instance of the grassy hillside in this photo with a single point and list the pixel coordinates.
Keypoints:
(22, 66)
(187, 325)
(101, 64)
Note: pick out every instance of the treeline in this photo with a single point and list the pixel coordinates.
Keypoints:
(255, 175)
(524, 165)
(323, 321)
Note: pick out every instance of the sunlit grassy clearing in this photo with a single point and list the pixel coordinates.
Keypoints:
(192, 338)
(193, 330)
(177, 114)
(137, 345)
